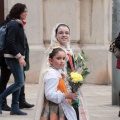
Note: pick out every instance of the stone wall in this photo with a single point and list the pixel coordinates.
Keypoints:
(90, 23)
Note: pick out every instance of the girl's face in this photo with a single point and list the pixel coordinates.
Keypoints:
(23, 15)
(63, 35)
(58, 61)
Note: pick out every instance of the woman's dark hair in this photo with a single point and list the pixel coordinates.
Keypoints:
(5, 21)
(16, 10)
(60, 26)
(55, 51)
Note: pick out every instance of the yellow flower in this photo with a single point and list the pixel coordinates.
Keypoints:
(76, 57)
(76, 77)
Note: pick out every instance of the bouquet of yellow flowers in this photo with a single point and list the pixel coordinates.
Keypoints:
(76, 78)
(80, 61)
(75, 81)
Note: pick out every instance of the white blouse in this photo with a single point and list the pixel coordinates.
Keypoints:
(51, 80)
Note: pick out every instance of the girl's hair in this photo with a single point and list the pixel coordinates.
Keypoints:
(55, 51)
(60, 26)
(16, 10)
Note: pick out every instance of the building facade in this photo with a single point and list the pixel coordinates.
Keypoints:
(90, 22)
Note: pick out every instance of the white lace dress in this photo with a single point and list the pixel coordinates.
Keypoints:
(51, 79)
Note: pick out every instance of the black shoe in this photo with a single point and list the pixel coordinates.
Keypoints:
(5, 107)
(25, 105)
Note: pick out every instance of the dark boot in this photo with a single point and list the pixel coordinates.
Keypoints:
(0, 108)
(5, 107)
(25, 105)
(22, 101)
(1, 101)
(16, 111)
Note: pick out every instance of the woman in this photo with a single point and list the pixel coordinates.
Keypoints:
(14, 55)
(5, 75)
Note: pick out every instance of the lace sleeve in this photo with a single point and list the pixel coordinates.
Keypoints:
(51, 92)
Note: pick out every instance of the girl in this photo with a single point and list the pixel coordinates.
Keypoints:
(61, 36)
(57, 103)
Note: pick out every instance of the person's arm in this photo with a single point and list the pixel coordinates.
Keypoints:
(51, 92)
(72, 96)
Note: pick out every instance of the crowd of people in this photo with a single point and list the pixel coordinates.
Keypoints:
(15, 60)
(58, 93)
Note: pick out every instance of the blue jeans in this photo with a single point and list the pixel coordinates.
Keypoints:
(18, 73)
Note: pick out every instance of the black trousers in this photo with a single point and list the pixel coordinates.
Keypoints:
(4, 78)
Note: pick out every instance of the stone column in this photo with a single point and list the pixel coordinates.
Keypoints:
(115, 72)
(95, 34)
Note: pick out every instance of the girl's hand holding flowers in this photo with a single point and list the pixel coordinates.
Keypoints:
(72, 96)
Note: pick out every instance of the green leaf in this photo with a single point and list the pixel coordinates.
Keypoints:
(68, 71)
(80, 63)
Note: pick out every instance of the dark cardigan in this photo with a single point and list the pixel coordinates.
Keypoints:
(15, 38)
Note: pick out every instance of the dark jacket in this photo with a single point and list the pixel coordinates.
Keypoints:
(15, 38)
(26, 68)
(117, 41)
(68, 64)
(117, 44)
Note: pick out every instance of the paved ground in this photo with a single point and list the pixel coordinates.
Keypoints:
(98, 98)
(31, 96)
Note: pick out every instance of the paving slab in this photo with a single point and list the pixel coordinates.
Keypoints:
(99, 102)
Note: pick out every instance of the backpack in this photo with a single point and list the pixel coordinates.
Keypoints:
(3, 29)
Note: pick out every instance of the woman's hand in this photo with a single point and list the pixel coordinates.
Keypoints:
(72, 96)
(22, 61)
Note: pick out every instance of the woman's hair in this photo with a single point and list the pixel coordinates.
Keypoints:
(16, 10)
(60, 26)
(55, 51)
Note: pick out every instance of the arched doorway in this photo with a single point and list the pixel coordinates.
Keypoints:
(1, 11)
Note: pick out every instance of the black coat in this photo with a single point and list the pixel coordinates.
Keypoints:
(15, 38)
(117, 41)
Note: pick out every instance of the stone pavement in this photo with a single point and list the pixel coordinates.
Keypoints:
(98, 99)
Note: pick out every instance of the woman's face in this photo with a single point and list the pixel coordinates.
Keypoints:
(23, 15)
(63, 35)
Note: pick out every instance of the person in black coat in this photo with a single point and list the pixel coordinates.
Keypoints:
(15, 50)
(5, 75)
